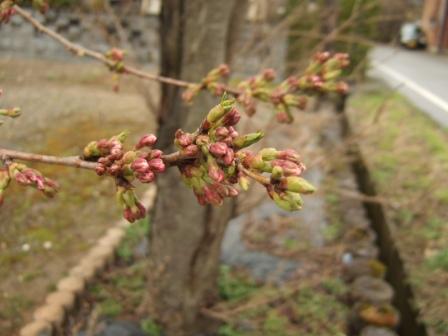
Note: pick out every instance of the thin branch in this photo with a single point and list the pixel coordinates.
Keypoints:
(172, 159)
(83, 51)
(257, 177)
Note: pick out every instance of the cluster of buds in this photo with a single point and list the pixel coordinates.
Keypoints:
(6, 10)
(210, 82)
(219, 162)
(28, 177)
(116, 60)
(284, 185)
(320, 77)
(132, 208)
(142, 164)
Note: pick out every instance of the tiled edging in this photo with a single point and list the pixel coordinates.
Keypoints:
(50, 317)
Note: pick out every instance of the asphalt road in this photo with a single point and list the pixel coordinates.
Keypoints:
(420, 76)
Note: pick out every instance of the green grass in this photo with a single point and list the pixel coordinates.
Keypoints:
(408, 156)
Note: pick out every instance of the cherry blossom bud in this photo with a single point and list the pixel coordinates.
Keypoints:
(244, 182)
(146, 177)
(289, 155)
(289, 168)
(157, 165)
(222, 132)
(140, 166)
(233, 192)
(228, 157)
(269, 74)
(297, 184)
(322, 57)
(215, 173)
(183, 139)
(218, 149)
(100, 169)
(147, 140)
(116, 54)
(276, 173)
(232, 118)
(248, 139)
(11, 112)
(211, 196)
(288, 201)
(115, 169)
(155, 154)
(224, 70)
(268, 154)
(191, 150)
(233, 133)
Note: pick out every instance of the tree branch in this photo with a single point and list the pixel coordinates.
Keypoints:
(172, 159)
(83, 51)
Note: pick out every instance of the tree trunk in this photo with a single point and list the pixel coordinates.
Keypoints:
(185, 239)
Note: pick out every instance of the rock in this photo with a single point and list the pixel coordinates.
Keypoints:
(371, 290)
(377, 331)
(357, 267)
(118, 328)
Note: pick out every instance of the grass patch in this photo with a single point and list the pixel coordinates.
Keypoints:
(408, 157)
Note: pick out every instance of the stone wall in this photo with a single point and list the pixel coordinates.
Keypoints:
(19, 38)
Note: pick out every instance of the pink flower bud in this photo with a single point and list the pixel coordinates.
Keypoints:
(222, 132)
(233, 133)
(140, 165)
(128, 215)
(269, 74)
(233, 192)
(293, 82)
(115, 169)
(146, 141)
(147, 177)
(224, 70)
(232, 118)
(212, 197)
(289, 168)
(157, 165)
(100, 169)
(322, 56)
(116, 54)
(183, 139)
(216, 173)
(191, 150)
(155, 154)
(218, 148)
(228, 157)
(289, 155)
(277, 96)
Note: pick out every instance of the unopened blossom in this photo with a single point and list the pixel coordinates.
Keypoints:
(147, 140)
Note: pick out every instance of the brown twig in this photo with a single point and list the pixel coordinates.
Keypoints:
(257, 177)
(172, 159)
(83, 51)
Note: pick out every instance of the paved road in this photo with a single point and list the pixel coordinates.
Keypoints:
(420, 76)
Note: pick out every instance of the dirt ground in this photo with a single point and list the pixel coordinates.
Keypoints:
(64, 107)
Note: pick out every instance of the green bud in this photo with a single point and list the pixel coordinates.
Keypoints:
(220, 110)
(12, 112)
(288, 201)
(4, 179)
(129, 157)
(121, 137)
(243, 141)
(277, 173)
(298, 184)
(268, 154)
(91, 150)
(244, 183)
(332, 75)
(128, 197)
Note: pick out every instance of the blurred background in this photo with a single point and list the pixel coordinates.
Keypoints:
(378, 156)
